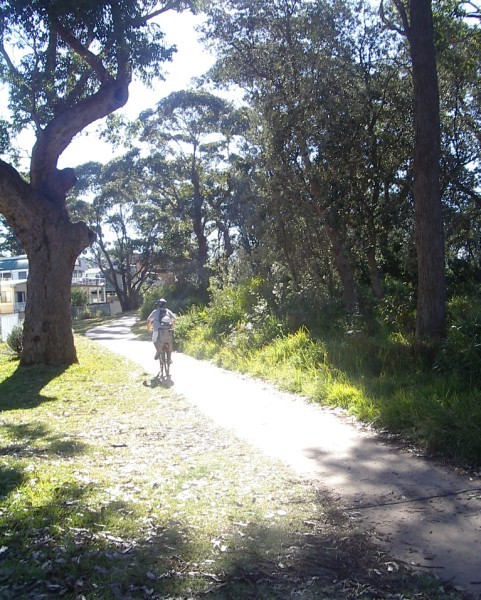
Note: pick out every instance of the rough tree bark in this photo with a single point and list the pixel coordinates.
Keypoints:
(431, 304)
(418, 27)
(37, 214)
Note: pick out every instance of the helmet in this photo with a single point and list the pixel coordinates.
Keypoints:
(162, 302)
(165, 321)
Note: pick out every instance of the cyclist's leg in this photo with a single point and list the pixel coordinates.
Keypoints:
(155, 341)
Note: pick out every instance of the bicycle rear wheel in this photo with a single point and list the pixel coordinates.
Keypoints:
(164, 362)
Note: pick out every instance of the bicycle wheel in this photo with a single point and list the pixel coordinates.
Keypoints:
(164, 362)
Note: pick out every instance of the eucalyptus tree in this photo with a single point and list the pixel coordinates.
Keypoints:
(131, 248)
(192, 136)
(324, 80)
(415, 22)
(66, 64)
(282, 54)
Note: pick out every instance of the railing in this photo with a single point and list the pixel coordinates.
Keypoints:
(96, 281)
(19, 307)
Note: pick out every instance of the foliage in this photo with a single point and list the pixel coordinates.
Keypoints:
(380, 375)
(149, 298)
(192, 167)
(15, 339)
(396, 309)
(460, 355)
(79, 297)
(135, 240)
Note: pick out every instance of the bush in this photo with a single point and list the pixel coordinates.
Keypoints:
(461, 352)
(15, 339)
(79, 297)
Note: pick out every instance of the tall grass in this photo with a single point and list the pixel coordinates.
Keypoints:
(384, 378)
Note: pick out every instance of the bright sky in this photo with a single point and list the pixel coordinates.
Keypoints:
(190, 60)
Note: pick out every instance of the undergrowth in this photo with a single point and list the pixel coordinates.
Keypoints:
(378, 372)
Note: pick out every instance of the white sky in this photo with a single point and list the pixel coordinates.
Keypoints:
(190, 60)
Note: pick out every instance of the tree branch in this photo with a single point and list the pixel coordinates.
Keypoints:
(405, 30)
(174, 4)
(89, 57)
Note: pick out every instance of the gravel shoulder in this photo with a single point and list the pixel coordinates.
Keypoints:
(426, 515)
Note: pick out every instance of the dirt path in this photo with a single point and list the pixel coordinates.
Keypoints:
(423, 514)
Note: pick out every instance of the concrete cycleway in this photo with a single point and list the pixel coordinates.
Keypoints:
(425, 515)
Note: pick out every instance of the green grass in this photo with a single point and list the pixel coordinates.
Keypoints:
(383, 380)
(114, 487)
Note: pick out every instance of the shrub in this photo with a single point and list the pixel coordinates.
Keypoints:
(398, 306)
(15, 339)
(460, 354)
(79, 297)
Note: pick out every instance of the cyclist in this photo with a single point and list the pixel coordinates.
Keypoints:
(162, 320)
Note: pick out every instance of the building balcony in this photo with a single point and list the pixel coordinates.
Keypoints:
(19, 307)
(92, 281)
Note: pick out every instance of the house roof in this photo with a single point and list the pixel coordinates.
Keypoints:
(14, 263)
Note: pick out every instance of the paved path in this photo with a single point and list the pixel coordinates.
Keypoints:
(423, 514)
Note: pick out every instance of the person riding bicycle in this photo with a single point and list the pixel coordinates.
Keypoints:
(162, 321)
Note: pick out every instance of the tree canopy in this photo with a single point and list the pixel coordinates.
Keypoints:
(66, 64)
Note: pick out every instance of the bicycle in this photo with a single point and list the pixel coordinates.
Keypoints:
(163, 345)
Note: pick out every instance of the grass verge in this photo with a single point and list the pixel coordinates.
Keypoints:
(113, 487)
(381, 381)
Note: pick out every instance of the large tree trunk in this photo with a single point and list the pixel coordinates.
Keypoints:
(47, 334)
(52, 243)
(431, 303)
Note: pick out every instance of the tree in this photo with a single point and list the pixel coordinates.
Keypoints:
(417, 25)
(67, 65)
(191, 134)
(295, 60)
(131, 229)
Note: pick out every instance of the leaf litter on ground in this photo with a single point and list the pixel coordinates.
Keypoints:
(115, 489)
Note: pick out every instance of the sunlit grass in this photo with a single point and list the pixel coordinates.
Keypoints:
(111, 486)
(382, 381)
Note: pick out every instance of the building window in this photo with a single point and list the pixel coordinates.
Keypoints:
(5, 297)
(22, 274)
(6, 275)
